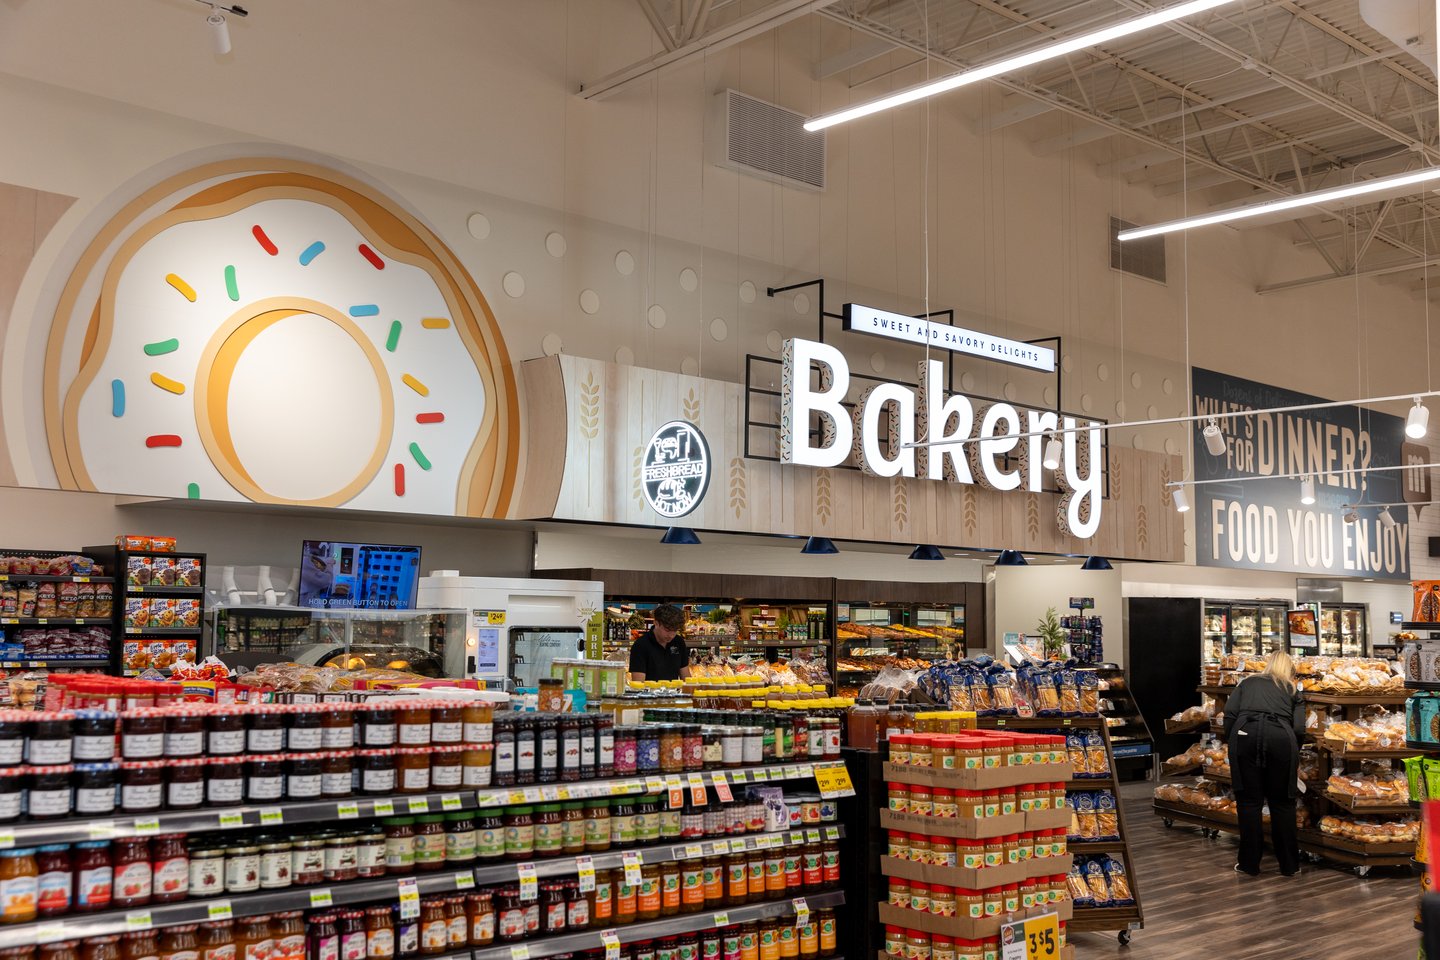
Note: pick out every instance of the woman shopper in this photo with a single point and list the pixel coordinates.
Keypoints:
(1264, 720)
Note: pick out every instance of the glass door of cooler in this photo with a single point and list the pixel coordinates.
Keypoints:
(1329, 631)
(1272, 627)
(1244, 630)
(1348, 625)
(1215, 630)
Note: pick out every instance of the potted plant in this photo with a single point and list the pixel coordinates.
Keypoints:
(1052, 635)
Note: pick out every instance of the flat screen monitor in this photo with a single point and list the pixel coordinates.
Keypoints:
(361, 576)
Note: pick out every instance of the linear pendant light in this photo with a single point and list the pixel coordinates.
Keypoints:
(1010, 65)
(1398, 181)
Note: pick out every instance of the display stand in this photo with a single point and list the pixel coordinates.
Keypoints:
(154, 643)
(1123, 920)
(18, 631)
(1133, 747)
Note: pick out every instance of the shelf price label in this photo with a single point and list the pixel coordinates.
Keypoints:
(722, 787)
(147, 825)
(409, 899)
(529, 884)
(812, 835)
(832, 833)
(585, 871)
(49, 932)
(321, 898)
(698, 796)
(654, 784)
(348, 811)
(231, 821)
(419, 805)
(721, 919)
(612, 944)
(549, 793)
(802, 911)
(693, 850)
(1037, 938)
(451, 801)
(834, 781)
(465, 881)
(631, 859)
(220, 910)
(7, 840)
(677, 791)
(485, 798)
(271, 816)
(138, 920)
(384, 808)
(519, 952)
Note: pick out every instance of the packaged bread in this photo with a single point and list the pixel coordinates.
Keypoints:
(1069, 694)
(1095, 880)
(25, 605)
(1118, 883)
(68, 599)
(1084, 825)
(85, 600)
(1107, 819)
(47, 602)
(104, 599)
(1078, 888)
(1096, 763)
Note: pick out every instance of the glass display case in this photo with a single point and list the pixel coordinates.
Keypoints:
(871, 636)
(411, 640)
(1248, 627)
(1343, 630)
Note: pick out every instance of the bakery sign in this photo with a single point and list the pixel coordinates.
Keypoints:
(676, 469)
(966, 441)
(945, 336)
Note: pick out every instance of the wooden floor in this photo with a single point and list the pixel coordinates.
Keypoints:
(1198, 908)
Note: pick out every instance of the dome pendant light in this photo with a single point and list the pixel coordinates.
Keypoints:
(1096, 563)
(1417, 421)
(1307, 491)
(926, 551)
(819, 545)
(1011, 558)
(680, 537)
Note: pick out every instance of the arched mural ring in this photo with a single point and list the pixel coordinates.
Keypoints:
(339, 360)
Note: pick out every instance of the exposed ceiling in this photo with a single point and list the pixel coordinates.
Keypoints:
(1257, 99)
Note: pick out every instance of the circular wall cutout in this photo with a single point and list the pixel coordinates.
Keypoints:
(1008, 390)
(1066, 363)
(1102, 372)
(1136, 380)
(590, 301)
(801, 303)
(551, 344)
(747, 291)
(555, 245)
(689, 366)
(967, 381)
(624, 263)
(1085, 402)
(774, 341)
(655, 316)
(479, 225)
(514, 284)
(1167, 387)
(689, 281)
(877, 362)
(1049, 395)
(624, 356)
(719, 330)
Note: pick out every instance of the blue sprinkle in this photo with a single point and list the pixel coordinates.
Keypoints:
(117, 398)
(365, 310)
(311, 252)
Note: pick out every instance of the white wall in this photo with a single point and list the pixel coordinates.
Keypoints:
(1022, 595)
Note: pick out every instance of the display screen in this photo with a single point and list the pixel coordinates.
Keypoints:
(361, 576)
(1302, 628)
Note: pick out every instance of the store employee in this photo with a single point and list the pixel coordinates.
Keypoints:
(660, 652)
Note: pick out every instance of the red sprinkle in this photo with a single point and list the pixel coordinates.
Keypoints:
(429, 418)
(162, 440)
(399, 479)
(372, 256)
(264, 241)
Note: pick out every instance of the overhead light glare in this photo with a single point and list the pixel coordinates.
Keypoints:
(1181, 500)
(1051, 460)
(1417, 421)
(1214, 439)
(1307, 491)
(1010, 65)
(1396, 182)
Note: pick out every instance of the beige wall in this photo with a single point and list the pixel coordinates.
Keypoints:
(1022, 595)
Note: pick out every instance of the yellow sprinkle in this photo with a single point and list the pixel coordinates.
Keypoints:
(435, 323)
(187, 291)
(165, 383)
(416, 385)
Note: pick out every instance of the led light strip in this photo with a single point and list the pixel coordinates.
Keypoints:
(1049, 52)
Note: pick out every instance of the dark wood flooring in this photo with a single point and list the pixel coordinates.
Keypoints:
(1198, 908)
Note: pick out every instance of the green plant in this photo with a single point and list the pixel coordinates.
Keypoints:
(1052, 635)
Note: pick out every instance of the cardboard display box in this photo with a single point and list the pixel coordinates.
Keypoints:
(969, 878)
(991, 779)
(976, 828)
(965, 927)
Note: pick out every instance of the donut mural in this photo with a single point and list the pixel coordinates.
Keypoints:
(275, 331)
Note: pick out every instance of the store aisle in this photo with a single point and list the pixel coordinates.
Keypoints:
(1198, 908)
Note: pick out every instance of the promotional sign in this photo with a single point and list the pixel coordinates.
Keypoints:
(676, 469)
(1263, 525)
(945, 336)
(1082, 603)
(1037, 938)
(1302, 630)
(973, 443)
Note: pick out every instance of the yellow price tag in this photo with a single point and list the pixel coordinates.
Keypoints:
(1037, 938)
(677, 791)
(631, 861)
(585, 870)
(834, 781)
(218, 910)
(321, 898)
(612, 944)
(409, 899)
(495, 618)
(384, 808)
(698, 796)
(450, 801)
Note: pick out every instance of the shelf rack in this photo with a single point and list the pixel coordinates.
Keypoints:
(1130, 740)
(116, 561)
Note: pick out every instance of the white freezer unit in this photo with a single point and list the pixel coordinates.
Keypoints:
(498, 606)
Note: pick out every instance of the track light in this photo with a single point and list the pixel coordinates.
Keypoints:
(926, 551)
(1350, 515)
(1011, 558)
(219, 31)
(1096, 563)
(1386, 520)
(819, 545)
(1051, 460)
(1181, 499)
(680, 537)
(1417, 421)
(1214, 439)
(1307, 491)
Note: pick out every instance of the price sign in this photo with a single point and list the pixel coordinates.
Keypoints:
(409, 900)
(519, 952)
(620, 789)
(321, 898)
(802, 911)
(419, 805)
(832, 833)
(272, 816)
(631, 859)
(722, 787)
(147, 825)
(384, 808)
(451, 801)
(612, 944)
(1037, 938)
(486, 799)
(517, 796)
(565, 792)
(698, 796)
(585, 871)
(549, 794)
(834, 781)
(722, 919)
(220, 910)
(812, 835)
(529, 885)
(349, 811)
(693, 850)
(677, 791)
(654, 784)
(138, 920)
(231, 820)
(465, 881)
(98, 830)
(49, 932)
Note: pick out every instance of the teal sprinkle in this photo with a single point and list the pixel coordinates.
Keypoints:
(193, 491)
(394, 339)
(419, 456)
(161, 347)
(230, 286)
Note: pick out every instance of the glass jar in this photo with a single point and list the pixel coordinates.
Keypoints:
(169, 867)
(134, 877)
(288, 931)
(225, 733)
(184, 735)
(377, 728)
(379, 934)
(266, 733)
(217, 940)
(370, 854)
(264, 778)
(503, 760)
(336, 775)
(140, 945)
(207, 871)
(337, 729)
(625, 761)
(547, 749)
(12, 742)
(184, 784)
(224, 782)
(519, 833)
(445, 770)
(399, 845)
(457, 922)
(142, 737)
(434, 925)
(307, 862)
(481, 910)
(475, 768)
(94, 876)
(342, 858)
(50, 742)
(459, 837)
(242, 868)
(413, 768)
(552, 908)
(303, 731)
(597, 825)
(54, 880)
(414, 727)
(176, 943)
(322, 937)
(548, 830)
(276, 863)
(253, 940)
(509, 915)
(351, 934)
(302, 778)
(477, 723)
(570, 748)
(447, 725)
(572, 827)
(489, 835)
(49, 794)
(430, 842)
(19, 885)
(377, 773)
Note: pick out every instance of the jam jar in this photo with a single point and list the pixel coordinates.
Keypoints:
(51, 742)
(170, 868)
(302, 778)
(303, 731)
(337, 730)
(184, 735)
(225, 733)
(224, 782)
(447, 725)
(377, 728)
(266, 733)
(12, 742)
(264, 779)
(184, 784)
(336, 775)
(377, 772)
(142, 737)
(141, 788)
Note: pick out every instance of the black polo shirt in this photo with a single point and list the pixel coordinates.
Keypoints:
(657, 662)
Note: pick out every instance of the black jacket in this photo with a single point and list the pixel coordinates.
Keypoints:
(1274, 722)
(1260, 695)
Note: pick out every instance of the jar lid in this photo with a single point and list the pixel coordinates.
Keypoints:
(431, 818)
(398, 821)
(521, 811)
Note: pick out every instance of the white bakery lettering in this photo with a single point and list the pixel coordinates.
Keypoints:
(994, 454)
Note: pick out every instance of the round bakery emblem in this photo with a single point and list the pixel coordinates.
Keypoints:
(676, 470)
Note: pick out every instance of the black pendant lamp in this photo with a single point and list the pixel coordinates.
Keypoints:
(926, 551)
(680, 537)
(1011, 558)
(1096, 563)
(819, 545)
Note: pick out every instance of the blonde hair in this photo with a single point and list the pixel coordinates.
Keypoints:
(1281, 671)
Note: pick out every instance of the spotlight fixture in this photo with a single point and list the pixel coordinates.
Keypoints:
(219, 23)
(1181, 499)
(680, 537)
(1307, 491)
(1096, 563)
(926, 551)
(1214, 439)
(1052, 453)
(1386, 520)
(819, 545)
(1350, 515)
(1011, 558)
(1417, 421)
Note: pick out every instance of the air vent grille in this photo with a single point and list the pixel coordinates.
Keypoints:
(1143, 258)
(771, 142)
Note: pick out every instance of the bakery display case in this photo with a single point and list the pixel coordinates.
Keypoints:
(873, 635)
(411, 640)
(1247, 627)
(1343, 630)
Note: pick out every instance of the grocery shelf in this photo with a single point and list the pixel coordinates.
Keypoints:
(1216, 691)
(1211, 774)
(1422, 685)
(178, 589)
(1080, 848)
(668, 927)
(56, 621)
(1044, 723)
(353, 808)
(1353, 852)
(1091, 783)
(45, 578)
(1348, 802)
(1356, 700)
(1343, 750)
(1422, 747)
(45, 663)
(162, 631)
(1088, 919)
(1187, 726)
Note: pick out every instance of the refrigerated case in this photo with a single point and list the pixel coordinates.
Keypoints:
(873, 635)
(1344, 630)
(1250, 627)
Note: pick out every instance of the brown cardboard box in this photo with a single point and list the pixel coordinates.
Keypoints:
(964, 926)
(1046, 819)
(964, 828)
(992, 779)
(964, 878)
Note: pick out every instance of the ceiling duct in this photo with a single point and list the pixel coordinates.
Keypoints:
(766, 141)
(1409, 24)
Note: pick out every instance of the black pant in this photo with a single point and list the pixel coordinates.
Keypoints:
(1262, 773)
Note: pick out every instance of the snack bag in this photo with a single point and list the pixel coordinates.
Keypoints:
(1089, 692)
(104, 599)
(959, 694)
(1096, 763)
(1079, 890)
(1002, 692)
(1069, 694)
(85, 602)
(1083, 819)
(1107, 818)
(980, 695)
(9, 600)
(26, 601)
(68, 599)
(1075, 749)
(1095, 880)
(1119, 883)
(1047, 698)
(1415, 777)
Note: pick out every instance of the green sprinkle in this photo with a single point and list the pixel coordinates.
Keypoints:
(193, 491)
(230, 286)
(419, 456)
(162, 347)
(394, 339)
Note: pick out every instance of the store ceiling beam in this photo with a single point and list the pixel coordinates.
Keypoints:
(662, 30)
(1026, 108)
(743, 28)
(1084, 135)
(697, 20)
(1201, 181)
(1398, 267)
(1354, 43)
(1140, 161)
(863, 52)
